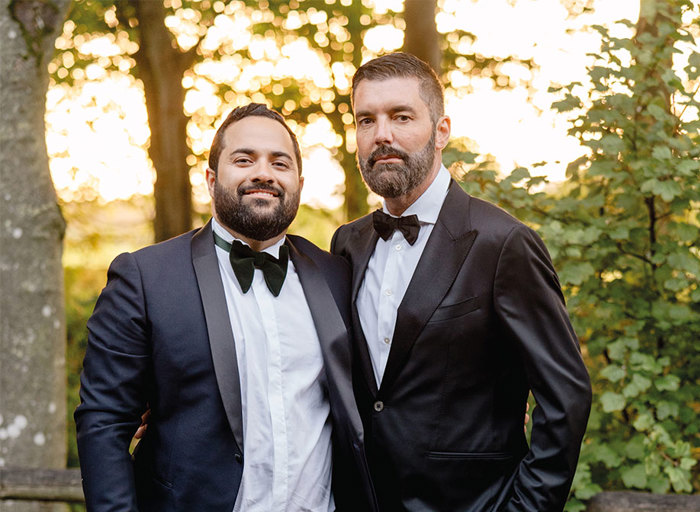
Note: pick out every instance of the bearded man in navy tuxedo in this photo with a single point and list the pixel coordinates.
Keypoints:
(235, 335)
(458, 315)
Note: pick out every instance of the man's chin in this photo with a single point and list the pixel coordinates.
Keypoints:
(261, 201)
(387, 167)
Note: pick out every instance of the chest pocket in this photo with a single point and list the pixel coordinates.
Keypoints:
(456, 310)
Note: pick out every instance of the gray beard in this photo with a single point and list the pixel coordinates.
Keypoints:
(246, 218)
(395, 180)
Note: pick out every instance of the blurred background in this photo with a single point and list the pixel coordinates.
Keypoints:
(580, 117)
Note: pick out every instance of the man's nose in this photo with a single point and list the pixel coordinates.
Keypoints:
(383, 133)
(262, 172)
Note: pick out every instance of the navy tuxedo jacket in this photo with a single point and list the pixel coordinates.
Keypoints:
(160, 337)
(482, 323)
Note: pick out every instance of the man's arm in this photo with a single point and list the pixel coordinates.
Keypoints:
(112, 391)
(531, 307)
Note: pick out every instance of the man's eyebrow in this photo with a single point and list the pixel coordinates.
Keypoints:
(245, 151)
(250, 151)
(402, 108)
(282, 154)
(392, 110)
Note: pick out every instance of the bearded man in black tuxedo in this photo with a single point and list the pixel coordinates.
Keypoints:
(458, 315)
(235, 335)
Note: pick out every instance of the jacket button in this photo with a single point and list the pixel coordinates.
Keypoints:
(379, 406)
(239, 458)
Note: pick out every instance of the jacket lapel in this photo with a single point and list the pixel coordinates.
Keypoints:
(364, 240)
(331, 330)
(442, 258)
(223, 348)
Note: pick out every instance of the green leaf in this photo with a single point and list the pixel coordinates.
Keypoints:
(608, 456)
(688, 167)
(643, 422)
(635, 476)
(661, 152)
(635, 448)
(667, 189)
(612, 401)
(617, 350)
(658, 484)
(657, 112)
(613, 373)
(573, 505)
(576, 272)
(680, 479)
(667, 383)
(612, 144)
(687, 463)
(638, 385)
(619, 233)
(666, 409)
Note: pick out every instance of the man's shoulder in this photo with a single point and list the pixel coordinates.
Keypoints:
(166, 249)
(353, 226)
(313, 251)
(358, 223)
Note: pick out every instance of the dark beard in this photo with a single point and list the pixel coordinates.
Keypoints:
(247, 219)
(395, 180)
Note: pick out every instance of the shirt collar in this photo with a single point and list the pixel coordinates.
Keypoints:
(273, 250)
(427, 206)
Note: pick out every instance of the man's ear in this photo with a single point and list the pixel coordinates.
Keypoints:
(442, 132)
(211, 180)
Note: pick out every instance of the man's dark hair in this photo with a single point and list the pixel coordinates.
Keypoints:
(238, 113)
(405, 65)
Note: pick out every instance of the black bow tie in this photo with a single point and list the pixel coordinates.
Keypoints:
(385, 225)
(245, 260)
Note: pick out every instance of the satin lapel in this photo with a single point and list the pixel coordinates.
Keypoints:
(330, 328)
(223, 348)
(364, 240)
(443, 256)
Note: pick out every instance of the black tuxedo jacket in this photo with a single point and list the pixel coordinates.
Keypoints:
(482, 323)
(160, 335)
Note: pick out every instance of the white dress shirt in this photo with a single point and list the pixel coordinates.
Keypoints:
(286, 413)
(390, 270)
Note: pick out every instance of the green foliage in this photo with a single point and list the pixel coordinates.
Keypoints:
(82, 285)
(317, 225)
(623, 235)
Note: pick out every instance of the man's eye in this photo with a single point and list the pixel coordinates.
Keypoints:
(281, 165)
(242, 161)
(402, 118)
(365, 121)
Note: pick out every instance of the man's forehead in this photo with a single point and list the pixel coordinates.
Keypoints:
(260, 133)
(387, 93)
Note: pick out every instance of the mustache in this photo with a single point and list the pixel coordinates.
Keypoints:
(244, 189)
(386, 151)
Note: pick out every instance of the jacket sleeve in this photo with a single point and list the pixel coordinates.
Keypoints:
(530, 305)
(113, 389)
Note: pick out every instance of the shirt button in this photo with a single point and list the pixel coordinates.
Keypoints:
(388, 292)
(379, 406)
(387, 340)
(397, 247)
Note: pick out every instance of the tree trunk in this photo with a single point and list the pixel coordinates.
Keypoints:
(421, 37)
(160, 66)
(32, 318)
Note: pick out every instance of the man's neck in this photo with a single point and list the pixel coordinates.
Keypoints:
(256, 245)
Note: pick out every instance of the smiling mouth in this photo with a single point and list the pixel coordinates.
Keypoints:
(260, 193)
